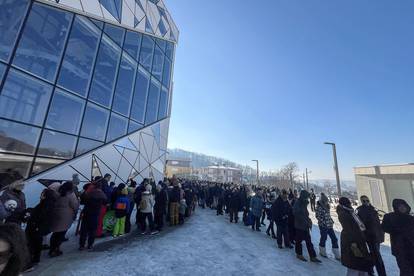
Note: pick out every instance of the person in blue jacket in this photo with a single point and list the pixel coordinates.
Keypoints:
(256, 206)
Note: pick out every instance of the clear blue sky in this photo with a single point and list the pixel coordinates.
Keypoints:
(272, 80)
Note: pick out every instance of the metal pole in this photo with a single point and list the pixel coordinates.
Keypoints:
(307, 180)
(338, 182)
(257, 171)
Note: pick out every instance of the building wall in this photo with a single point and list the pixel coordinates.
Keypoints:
(373, 188)
(399, 188)
(81, 92)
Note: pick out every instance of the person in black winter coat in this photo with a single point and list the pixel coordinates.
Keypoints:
(38, 224)
(234, 205)
(400, 225)
(303, 225)
(160, 207)
(93, 198)
(374, 233)
(312, 199)
(354, 250)
(280, 214)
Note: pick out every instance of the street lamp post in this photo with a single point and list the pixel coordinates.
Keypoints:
(257, 171)
(307, 179)
(338, 183)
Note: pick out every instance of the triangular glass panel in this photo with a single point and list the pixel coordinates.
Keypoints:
(113, 7)
(136, 22)
(148, 27)
(126, 143)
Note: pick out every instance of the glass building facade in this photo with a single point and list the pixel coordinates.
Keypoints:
(71, 83)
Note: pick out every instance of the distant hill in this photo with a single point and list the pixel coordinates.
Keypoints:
(200, 160)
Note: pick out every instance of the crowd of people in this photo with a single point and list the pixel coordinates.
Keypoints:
(96, 209)
(362, 230)
(101, 208)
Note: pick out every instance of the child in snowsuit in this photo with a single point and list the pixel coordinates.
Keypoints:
(183, 208)
(121, 207)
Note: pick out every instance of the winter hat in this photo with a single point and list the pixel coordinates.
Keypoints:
(397, 202)
(324, 198)
(304, 195)
(345, 202)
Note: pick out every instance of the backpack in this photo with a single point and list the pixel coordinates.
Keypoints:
(143, 204)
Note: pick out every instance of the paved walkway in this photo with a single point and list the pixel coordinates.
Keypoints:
(204, 245)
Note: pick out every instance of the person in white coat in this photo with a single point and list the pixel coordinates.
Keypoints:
(146, 207)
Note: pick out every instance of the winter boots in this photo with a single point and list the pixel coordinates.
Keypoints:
(300, 257)
(322, 252)
(336, 253)
(315, 260)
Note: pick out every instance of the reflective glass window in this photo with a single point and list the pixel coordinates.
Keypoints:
(152, 104)
(125, 85)
(42, 164)
(161, 43)
(140, 95)
(98, 23)
(56, 144)
(166, 75)
(105, 72)
(85, 145)
(115, 33)
(18, 138)
(117, 127)
(114, 7)
(95, 122)
(13, 167)
(169, 50)
(147, 49)
(79, 56)
(65, 112)
(2, 69)
(132, 43)
(11, 17)
(134, 126)
(24, 98)
(158, 63)
(41, 46)
(162, 110)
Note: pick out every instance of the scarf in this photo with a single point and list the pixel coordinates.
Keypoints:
(359, 222)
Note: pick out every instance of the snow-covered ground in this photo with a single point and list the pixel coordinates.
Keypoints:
(204, 245)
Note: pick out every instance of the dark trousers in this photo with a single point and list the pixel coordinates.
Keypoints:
(263, 216)
(256, 223)
(282, 234)
(405, 264)
(271, 228)
(88, 230)
(159, 220)
(374, 248)
(34, 242)
(234, 215)
(312, 204)
(304, 235)
(146, 216)
(219, 209)
(325, 232)
(56, 240)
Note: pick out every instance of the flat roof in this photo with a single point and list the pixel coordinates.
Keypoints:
(407, 168)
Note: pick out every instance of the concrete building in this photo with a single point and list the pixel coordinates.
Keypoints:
(220, 174)
(85, 88)
(179, 168)
(384, 183)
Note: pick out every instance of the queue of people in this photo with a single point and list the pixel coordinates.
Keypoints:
(100, 208)
(362, 230)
